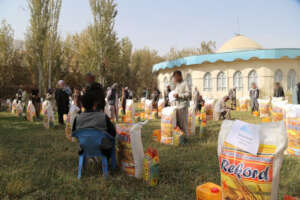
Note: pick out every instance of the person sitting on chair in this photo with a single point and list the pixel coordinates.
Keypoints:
(93, 119)
(220, 109)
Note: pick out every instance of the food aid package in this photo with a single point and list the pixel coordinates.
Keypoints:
(30, 113)
(142, 104)
(177, 137)
(130, 111)
(19, 109)
(9, 105)
(151, 167)
(130, 150)
(48, 114)
(203, 121)
(168, 123)
(244, 103)
(73, 113)
(156, 135)
(276, 99)
(264, 108)
(209, 107)
(252, 175)
(278, 109)
(148, 109)
(14, 106)
(191, 121)
(160, 105)
(293, 130)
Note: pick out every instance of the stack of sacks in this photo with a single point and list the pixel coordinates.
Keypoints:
(48, 114)
(278, 108)
(30, 113)
(191, 120)
(160, 105)
(264, 109)
(130, 111)
(148, 109)
(209, 107)
(244, 103)
(130, 152)
(293, 129)
(14, 106)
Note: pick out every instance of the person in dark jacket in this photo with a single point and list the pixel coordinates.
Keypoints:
(91, 118)
(278, 90)
(62, 101)
(96, 89)
(36, 101)
(254, 95)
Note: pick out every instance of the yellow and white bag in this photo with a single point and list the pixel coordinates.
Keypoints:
(278, 109)
(73, 113)
(130, 152)
(19, 109)
(14, 106)
(264, 108)
(168, 123)
(130, 111)
(142, 104)
(252, 176)
(244, 103)
(48, 114)
(148, 109)
(209, 107)
(293, 129)
(30, 113)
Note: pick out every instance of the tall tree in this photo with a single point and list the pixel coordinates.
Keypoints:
(105, 42)
(53, 40)
(44, 15)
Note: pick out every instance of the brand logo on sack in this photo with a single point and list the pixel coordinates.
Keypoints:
(241, 171)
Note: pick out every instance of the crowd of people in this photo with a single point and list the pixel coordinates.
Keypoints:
(98, 107)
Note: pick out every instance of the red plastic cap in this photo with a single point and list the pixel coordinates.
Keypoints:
(215, 190)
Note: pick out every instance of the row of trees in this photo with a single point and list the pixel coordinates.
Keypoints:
(45, 57)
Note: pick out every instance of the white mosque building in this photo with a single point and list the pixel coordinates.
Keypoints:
(238, 63)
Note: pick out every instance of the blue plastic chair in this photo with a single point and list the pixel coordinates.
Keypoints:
(90, 141)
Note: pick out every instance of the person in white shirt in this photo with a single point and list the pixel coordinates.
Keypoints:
(182, 95)
(220, 109)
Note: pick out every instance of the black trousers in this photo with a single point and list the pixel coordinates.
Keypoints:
(61, 118)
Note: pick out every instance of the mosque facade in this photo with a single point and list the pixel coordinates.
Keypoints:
(237, 64)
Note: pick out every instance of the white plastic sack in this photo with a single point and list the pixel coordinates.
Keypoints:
(14, 106)
(148, 109)
(30, 113)
(244, 103)
(48, 114)
(244, 174)
(278, 110)
(19, 109)
(130, 149)
(130, 111)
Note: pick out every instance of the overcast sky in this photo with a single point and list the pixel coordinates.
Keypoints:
(162, 24)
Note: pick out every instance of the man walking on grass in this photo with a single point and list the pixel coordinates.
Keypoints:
(182, 96)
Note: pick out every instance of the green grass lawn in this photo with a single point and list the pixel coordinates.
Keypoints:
(41, 164)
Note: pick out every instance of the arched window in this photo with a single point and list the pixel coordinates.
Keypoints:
(221, 81)
(207, 82)
(166, 82)
(189, 81)
(238, 80)
(292, 79)
(252, 78)
(278, 76)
